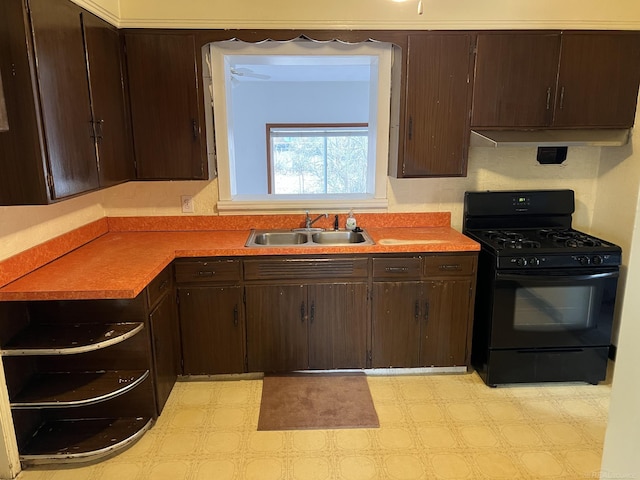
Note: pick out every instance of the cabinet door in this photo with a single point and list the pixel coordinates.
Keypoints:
(338, 325)
(166, 348)
(277, 336)
(396, 311)
(163, 88)
(64, 96)
(437, 105)
(445, 323)
(212, 330)
(115, 150)
(515, 79)
(598, 79)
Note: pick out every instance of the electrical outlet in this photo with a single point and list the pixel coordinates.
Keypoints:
(187, 203)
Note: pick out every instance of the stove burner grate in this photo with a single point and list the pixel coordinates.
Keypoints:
(570, 238)
(582, 242)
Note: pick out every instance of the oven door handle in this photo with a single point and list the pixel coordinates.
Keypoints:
(557, 277)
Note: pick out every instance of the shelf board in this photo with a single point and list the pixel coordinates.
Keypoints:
(84, 440)
(74, 389)
(69, 339)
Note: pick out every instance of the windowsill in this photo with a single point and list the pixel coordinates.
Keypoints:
(251, 206)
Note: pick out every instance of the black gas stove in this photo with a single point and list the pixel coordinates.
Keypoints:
(545, 293)
(546, 247)
(532, 229)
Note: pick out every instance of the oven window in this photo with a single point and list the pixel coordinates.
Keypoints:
(548, 308)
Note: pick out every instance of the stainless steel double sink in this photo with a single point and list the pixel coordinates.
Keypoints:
(307, 238)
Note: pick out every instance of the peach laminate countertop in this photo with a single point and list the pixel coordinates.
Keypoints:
(120, 264)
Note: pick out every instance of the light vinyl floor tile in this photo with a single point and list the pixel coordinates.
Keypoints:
(432, 427)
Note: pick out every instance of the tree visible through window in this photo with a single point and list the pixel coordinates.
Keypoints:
(317, 159)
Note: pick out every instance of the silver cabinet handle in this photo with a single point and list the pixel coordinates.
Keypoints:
(449, 267)
(548, 98)
(396, 269)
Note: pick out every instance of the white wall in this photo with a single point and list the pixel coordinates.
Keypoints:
(384, 14)
(622, 442)
(614, 214)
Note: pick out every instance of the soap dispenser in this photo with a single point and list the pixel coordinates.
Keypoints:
(351, 221)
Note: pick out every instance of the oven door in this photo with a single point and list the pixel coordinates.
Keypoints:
(547, 308)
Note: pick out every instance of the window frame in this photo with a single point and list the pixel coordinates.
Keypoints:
(385, 145)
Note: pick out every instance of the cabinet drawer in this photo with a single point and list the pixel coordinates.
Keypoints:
(396, 267)
(294, 268)
(158, 286)
(200, 271)
(450, 265)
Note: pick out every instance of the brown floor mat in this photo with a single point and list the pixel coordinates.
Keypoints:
(316, 401)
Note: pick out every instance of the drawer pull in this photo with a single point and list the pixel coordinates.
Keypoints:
(397, 269)
(206, 273)
(163, 285)
(417, 310)
(452, 266)
(235, 315)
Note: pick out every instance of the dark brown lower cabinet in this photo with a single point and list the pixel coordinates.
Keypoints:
(396, 313)
(277, 331)
(446, 323)
(307, 313)
(422, 310)
(212, 329)
(312, 326)
(420, 324)
(338, 325)
(165, 337)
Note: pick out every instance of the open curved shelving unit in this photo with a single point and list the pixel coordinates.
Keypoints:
(83, 440)
(82, 375)
(45, 339)
(74, 389)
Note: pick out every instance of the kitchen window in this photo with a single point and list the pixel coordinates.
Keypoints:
(316, 86)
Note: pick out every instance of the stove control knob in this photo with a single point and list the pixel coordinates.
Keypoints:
(597, 260)
(533, 261)
(584, 260)
(521, 262)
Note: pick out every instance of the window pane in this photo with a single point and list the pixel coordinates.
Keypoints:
(347, 164)
(319, 160)
(298, 165)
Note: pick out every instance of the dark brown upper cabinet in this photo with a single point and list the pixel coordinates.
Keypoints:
(54, 148)
(110, 110)
(165, 108)
(556, 79)
(437, 103)
(515, 79)
(598, 79)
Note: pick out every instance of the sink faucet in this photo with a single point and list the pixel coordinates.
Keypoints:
(308, 222)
